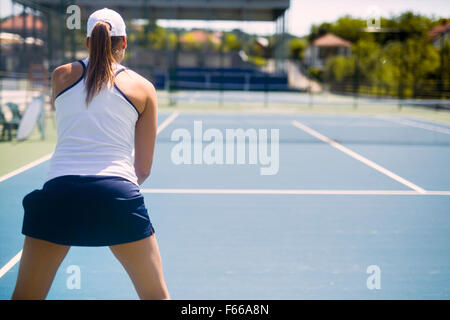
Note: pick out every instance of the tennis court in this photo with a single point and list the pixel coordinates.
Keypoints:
(351, 191)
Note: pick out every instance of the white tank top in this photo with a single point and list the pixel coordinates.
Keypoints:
(97, 139)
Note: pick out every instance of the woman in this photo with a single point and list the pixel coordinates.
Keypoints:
(91, 196)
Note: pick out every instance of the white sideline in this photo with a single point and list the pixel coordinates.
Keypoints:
(166, 122)
(415, 124)
(10, 263)
(163, 125)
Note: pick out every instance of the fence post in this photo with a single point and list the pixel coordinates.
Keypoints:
(356, 81)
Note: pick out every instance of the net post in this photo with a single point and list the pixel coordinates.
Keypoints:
(266, 90)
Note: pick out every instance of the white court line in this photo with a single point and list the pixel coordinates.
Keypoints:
(358, 156)
(416, 124)
(296, 192)
(26, 167)
(166, 122)
(163, 125)
(10, 263)
(17, 257)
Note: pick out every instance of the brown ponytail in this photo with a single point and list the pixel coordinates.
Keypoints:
(100, 67)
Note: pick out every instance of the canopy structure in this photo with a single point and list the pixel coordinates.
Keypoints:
(242, 10)
(61, 43)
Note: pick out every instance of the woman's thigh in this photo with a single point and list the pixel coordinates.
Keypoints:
(142, 261)
(38, 265)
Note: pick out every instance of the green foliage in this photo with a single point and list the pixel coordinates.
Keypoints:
(350, 29)
(190, 43)
(297, 48)
(232, 42)
(345, 27)
(252, 48)
(315, 73)
(257, 61)
(444, 54)
(338, 70)
(157, 38)
(402, 62)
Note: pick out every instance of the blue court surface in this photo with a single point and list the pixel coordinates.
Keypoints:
(351, 193)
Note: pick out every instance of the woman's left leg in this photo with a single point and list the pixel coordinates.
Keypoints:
(38, 265)
(142, 262)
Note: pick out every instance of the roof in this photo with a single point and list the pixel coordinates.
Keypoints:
(16, 22)
(331, 40)
(439, 30)
(243, 10)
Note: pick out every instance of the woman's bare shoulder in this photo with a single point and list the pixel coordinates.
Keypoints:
(137, 88)
(139, 80)
(64, 76)
(67, 72)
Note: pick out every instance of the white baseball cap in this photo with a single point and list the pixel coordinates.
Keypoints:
(110, 16)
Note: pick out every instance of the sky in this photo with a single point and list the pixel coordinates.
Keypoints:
(303, 13)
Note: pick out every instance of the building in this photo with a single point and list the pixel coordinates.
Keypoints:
(328, 45)
(440, 34)
(22, 40)
(28, 22)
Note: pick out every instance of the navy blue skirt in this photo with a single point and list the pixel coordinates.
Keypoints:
(86, 210)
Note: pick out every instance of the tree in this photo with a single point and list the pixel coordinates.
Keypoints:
(232, 42)
(422, 59)
(297, 48)
(443, 75)
(157, 38)
(401, 61)
(345, 27)
(339, 71)
(189, 42)
(319, 30)
(351, 29)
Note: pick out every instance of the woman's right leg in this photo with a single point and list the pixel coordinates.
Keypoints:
(38, 265)
(142, 261)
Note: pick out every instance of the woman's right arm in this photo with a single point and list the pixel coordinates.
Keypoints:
(145, 134)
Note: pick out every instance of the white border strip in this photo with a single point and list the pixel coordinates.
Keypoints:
(416, 124)
(296, 192)
(357, 156)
